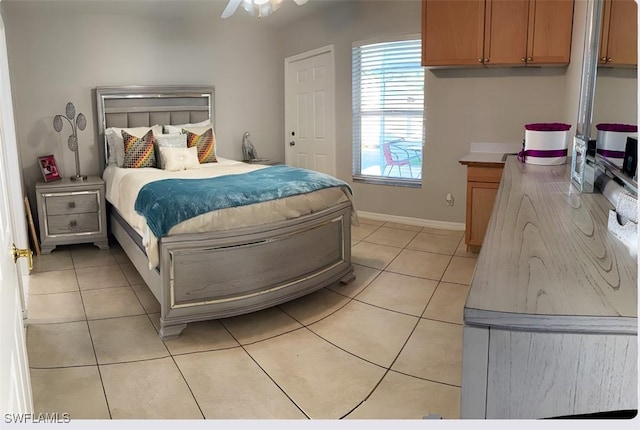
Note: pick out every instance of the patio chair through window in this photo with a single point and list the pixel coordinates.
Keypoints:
(397, 154)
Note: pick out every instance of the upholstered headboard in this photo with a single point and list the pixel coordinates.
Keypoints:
(137, 106)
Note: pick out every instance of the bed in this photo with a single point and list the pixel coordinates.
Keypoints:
(230, 261)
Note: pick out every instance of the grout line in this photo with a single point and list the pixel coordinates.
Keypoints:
(93, 344)
(95, 355)
(188, 386)
(425, 379)
(267, 373)
(388, 369)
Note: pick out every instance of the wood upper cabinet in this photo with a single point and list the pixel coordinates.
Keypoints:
(452, 32)
(619, 37)
(549, 32)
(505, 41)
(496, 32)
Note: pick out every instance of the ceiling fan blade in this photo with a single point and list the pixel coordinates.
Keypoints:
(231, 8)
(300, 2)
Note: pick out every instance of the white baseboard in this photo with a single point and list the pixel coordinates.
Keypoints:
(445, 225)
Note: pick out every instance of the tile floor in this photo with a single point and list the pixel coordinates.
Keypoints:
(388, 345)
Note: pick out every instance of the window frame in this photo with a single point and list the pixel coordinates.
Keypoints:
(356, 167)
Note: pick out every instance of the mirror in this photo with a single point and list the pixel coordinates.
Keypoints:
(615, 102)
(583, 166)
(608, 95)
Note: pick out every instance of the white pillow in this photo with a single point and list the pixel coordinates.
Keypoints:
(178, 128)
(116, 142)
(174, 159)
(173, 140)
(200, 130)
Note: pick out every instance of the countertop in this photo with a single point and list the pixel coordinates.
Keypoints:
(488, 154)
(548, 259)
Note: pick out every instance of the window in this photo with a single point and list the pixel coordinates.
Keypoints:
(388, 112)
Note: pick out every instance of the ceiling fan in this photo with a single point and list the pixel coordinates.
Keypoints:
(255, 7)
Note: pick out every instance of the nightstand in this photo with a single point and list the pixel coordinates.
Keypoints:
(71, 212)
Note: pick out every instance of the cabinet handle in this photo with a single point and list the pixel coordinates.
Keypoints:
(486, 60)
(479, 60)
(529, 59)
(608, 60)
(603, 59)
(71, 205)
(73, 224)
(523, 59)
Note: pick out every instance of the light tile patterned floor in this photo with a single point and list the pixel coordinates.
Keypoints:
(388, 345)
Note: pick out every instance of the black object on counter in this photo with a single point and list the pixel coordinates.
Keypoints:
(630, 163)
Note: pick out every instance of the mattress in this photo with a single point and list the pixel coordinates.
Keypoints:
(123, 185)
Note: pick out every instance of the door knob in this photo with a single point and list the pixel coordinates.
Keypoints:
(292, 143)
(17, 253)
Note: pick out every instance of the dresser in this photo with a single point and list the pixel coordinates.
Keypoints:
(71, 212)
(550, 323)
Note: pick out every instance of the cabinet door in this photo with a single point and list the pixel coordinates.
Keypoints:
(452, 32)
(480, 198)
(619, 39)
(550, 27)
(505, 41)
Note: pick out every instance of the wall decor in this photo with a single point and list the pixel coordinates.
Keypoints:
(49, 168)
(79, 122)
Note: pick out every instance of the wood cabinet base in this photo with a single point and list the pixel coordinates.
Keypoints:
(482, 187)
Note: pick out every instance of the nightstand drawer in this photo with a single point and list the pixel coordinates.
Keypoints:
(72, 224)
(71, 203)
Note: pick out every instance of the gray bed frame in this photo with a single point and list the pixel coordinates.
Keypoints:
(221, 274)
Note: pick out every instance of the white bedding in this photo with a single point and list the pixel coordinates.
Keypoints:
(123, 185)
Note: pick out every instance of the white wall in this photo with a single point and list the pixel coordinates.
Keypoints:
(462, 105)
(616, 98)
(60, 51)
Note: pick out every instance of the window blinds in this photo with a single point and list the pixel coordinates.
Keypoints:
(387, 95)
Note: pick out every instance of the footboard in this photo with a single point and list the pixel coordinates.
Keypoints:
(244, 270)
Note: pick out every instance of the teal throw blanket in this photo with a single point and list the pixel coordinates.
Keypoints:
(167, 202)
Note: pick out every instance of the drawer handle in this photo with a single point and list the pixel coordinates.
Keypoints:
(71, 205)
(73, 224)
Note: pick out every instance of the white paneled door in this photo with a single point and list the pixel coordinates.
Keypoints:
(15, 390)
(309, 111)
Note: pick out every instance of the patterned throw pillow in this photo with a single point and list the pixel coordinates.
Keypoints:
(116, 144)
(206, 144)
(139, 151)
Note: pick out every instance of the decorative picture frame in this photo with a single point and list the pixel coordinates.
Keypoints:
(49, 168)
